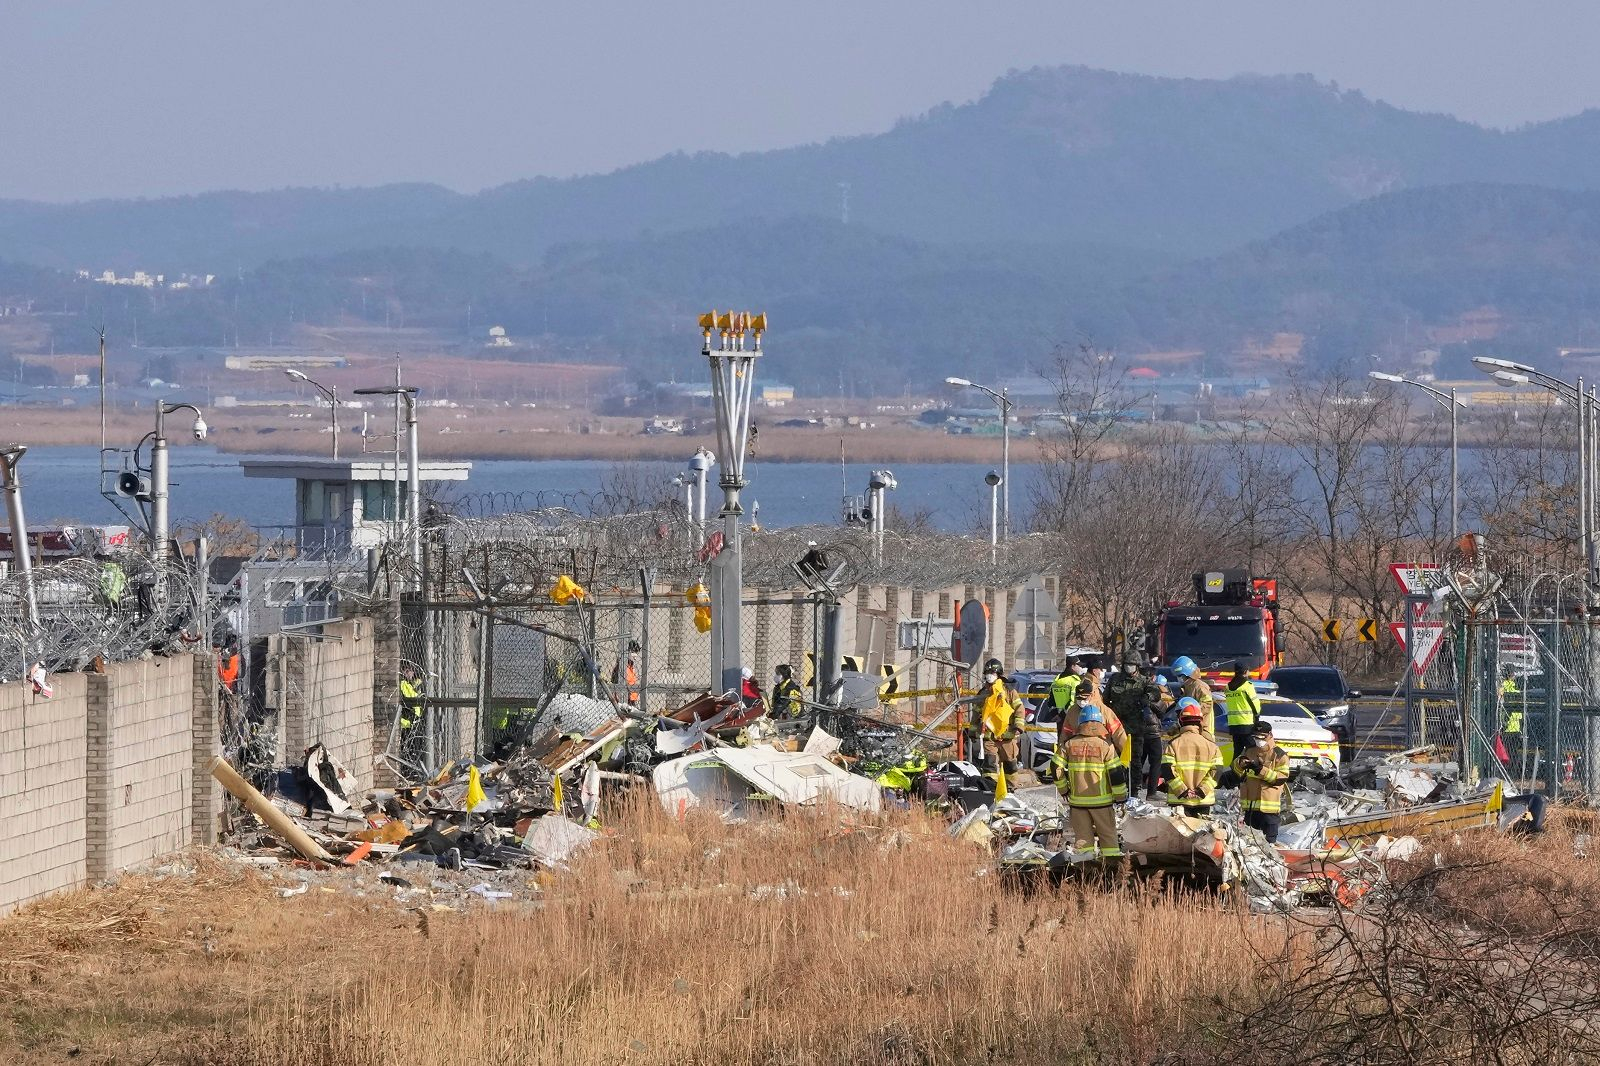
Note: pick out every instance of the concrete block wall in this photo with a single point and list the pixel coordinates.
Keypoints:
(141, 762)
(328, 696)
(43, 755)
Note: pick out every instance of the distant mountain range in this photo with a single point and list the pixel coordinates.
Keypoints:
(1065, 204)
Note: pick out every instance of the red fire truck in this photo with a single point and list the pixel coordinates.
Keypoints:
(1232, 621)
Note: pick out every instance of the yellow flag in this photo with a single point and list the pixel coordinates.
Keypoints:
(556, 800)
(566, 590)
(475, 793)
(1000, 782)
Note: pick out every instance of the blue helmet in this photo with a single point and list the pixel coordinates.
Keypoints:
(1161, 679)
(1189, 711)
(1090, 713)
(1183, 666)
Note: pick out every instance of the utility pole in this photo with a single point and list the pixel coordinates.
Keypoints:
(21, 550)
(732, 391)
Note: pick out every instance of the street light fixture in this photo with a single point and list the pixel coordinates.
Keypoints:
(1453, 405)
(333, 400)
(1005, 405)
(1508, 374)
(159, 470)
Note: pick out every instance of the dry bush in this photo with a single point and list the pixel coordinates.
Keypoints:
(808, 938)
(1480, 950)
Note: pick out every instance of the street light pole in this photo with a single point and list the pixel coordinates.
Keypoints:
(1453, 405)
(1004, 402)
(333, 402)
(159, 491)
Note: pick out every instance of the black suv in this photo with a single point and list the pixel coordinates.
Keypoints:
(1323, 692)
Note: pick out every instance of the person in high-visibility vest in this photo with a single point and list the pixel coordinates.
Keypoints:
(788, 700)
(228, 668)
(1263, 769)
(626, 673)
(1195, 760)
(1001, 718)
(1092, 779)
(1511, 730)
(1193, 686)
(410, 708)
(1244, 709)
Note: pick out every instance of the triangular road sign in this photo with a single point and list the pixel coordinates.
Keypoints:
(1429, 636)
(1415, 578)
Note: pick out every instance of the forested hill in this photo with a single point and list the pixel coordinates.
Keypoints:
(1048, 156)
(887, 311)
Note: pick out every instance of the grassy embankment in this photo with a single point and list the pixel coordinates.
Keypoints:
(810, 939)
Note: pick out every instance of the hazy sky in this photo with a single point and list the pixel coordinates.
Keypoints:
(125, 99)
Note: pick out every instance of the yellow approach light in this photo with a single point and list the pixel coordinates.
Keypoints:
(759, 322)
(725, 324)
(708, 322)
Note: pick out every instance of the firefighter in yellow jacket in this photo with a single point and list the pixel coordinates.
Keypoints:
(1263, 769)
(1193, 686)
(1002, 717)
(1193, 759)
(1091, 779)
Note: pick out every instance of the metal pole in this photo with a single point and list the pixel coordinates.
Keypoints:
(333, 398)
(158, 484)
(1583, 486)
(102, 390)
(994, 519)
(1455, 474)
(21, 550)
(202, 566)
(647, 581)
(413, 478)
(1005, 465)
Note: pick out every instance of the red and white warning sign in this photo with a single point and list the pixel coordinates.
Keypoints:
(1428, 637)
(1417, 578)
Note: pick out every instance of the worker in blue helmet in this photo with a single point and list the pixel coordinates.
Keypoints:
(1193, 686)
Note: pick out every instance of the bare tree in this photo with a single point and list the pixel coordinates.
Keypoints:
(1093, 393)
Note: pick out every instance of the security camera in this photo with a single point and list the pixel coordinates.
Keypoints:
(199, 429)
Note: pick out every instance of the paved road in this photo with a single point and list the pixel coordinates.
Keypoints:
(1380, 725)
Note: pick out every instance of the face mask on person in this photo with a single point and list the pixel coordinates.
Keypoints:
(990, 678)
(1080, 671)
(1261, 742)
(1130, 670)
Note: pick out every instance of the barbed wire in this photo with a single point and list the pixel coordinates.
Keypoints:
(114, 609)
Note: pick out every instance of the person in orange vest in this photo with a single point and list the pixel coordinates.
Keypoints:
(626, 673)
(228, 667)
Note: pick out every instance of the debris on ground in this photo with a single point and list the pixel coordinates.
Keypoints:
(477, 829)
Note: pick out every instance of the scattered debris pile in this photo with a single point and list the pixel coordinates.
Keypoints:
(539, 804)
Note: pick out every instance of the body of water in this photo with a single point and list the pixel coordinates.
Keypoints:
(61, 484)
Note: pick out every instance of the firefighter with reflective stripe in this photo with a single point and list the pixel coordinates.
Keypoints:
(1002, 716)
(1264, 773)
(1244, 708)
(788, 700)
(1194, 760)
(1194, 687)
(1091, 779)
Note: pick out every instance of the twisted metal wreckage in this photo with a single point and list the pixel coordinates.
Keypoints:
(519, 731)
